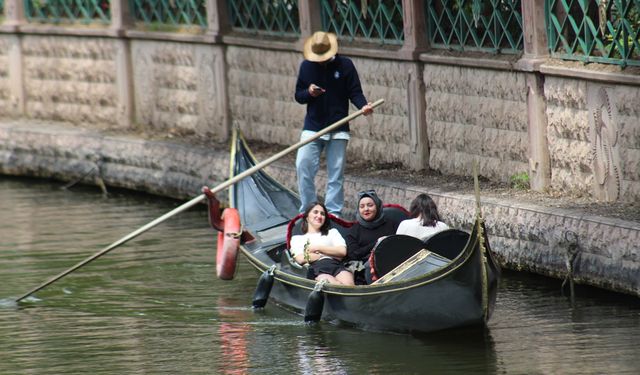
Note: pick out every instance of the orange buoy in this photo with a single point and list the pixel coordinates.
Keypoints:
(228, 243)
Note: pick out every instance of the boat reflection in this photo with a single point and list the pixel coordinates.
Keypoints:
(277, 342)
(340, 350)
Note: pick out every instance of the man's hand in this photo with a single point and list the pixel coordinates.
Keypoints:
(315, 90)
(367, 109)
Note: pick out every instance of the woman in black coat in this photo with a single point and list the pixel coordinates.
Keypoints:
(363, 235)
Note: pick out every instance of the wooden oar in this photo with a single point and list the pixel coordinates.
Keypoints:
(198, 199)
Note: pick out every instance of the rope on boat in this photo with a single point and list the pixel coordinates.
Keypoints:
(482, 244)
(573, 249)
(72, 183)
(272, 270)
(97, 179)
(319, 285)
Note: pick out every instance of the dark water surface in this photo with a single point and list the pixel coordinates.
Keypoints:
(154, 306)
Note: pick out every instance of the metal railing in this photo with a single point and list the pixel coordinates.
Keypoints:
(265, 17)
(68, 11)
(169, 15)
(377, 21)
(604, 31)
(493, 26)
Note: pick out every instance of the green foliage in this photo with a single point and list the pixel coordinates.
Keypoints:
(520, 181)
(602, 31)
(493, 26)
(373, 21)
(68, 11)
(170, 15)
(627, 27)
(270, 18)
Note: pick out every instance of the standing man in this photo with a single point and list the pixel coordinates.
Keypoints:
(326, 83)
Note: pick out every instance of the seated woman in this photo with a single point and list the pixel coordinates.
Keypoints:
(425, 221)
(322, 248)
(363, 235)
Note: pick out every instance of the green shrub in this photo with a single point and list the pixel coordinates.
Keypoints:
(520, 181)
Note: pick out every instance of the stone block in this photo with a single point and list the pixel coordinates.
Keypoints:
(179, 87)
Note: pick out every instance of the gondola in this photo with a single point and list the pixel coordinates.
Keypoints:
(447, 281)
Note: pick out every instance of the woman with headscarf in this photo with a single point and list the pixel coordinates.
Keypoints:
(362, 236)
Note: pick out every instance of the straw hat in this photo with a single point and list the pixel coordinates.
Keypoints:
(321, 46)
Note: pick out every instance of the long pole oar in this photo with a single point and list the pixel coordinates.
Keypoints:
(198, 199)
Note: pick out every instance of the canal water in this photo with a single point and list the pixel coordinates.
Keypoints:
(154, 306)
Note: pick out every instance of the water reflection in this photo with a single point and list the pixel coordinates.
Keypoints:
(314, 356)
(457, 351)
(294, 347)
(233, 331)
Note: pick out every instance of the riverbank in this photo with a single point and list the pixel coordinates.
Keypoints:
(548, 234)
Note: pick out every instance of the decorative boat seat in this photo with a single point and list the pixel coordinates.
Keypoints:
(420, 264)
(391, 251)
(448, 243)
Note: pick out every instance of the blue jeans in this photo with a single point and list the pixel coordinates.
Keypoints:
(307, 164)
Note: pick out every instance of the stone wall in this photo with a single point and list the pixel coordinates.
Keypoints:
(49, 150)
(70, 79)
(5, 94)
(387, 136)
(476, 114)
(261, 86)
(179, 87)
(173, 87)
(8, 101)
(626, 101)
(594, 138)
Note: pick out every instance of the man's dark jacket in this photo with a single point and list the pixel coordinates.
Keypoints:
(340, 80)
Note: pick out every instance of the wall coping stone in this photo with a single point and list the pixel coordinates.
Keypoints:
(580, 71)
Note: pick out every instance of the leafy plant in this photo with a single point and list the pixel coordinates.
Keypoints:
(520, 181)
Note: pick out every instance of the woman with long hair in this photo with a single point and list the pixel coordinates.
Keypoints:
(320, 246)
(425, 219)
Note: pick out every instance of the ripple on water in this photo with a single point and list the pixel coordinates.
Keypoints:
(8, 303)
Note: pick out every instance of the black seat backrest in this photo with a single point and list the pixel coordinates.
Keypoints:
(395, 213)
(392, 251)
(448, 243)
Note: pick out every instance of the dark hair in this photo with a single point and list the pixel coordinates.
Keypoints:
(423, 206)
(324, 229)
